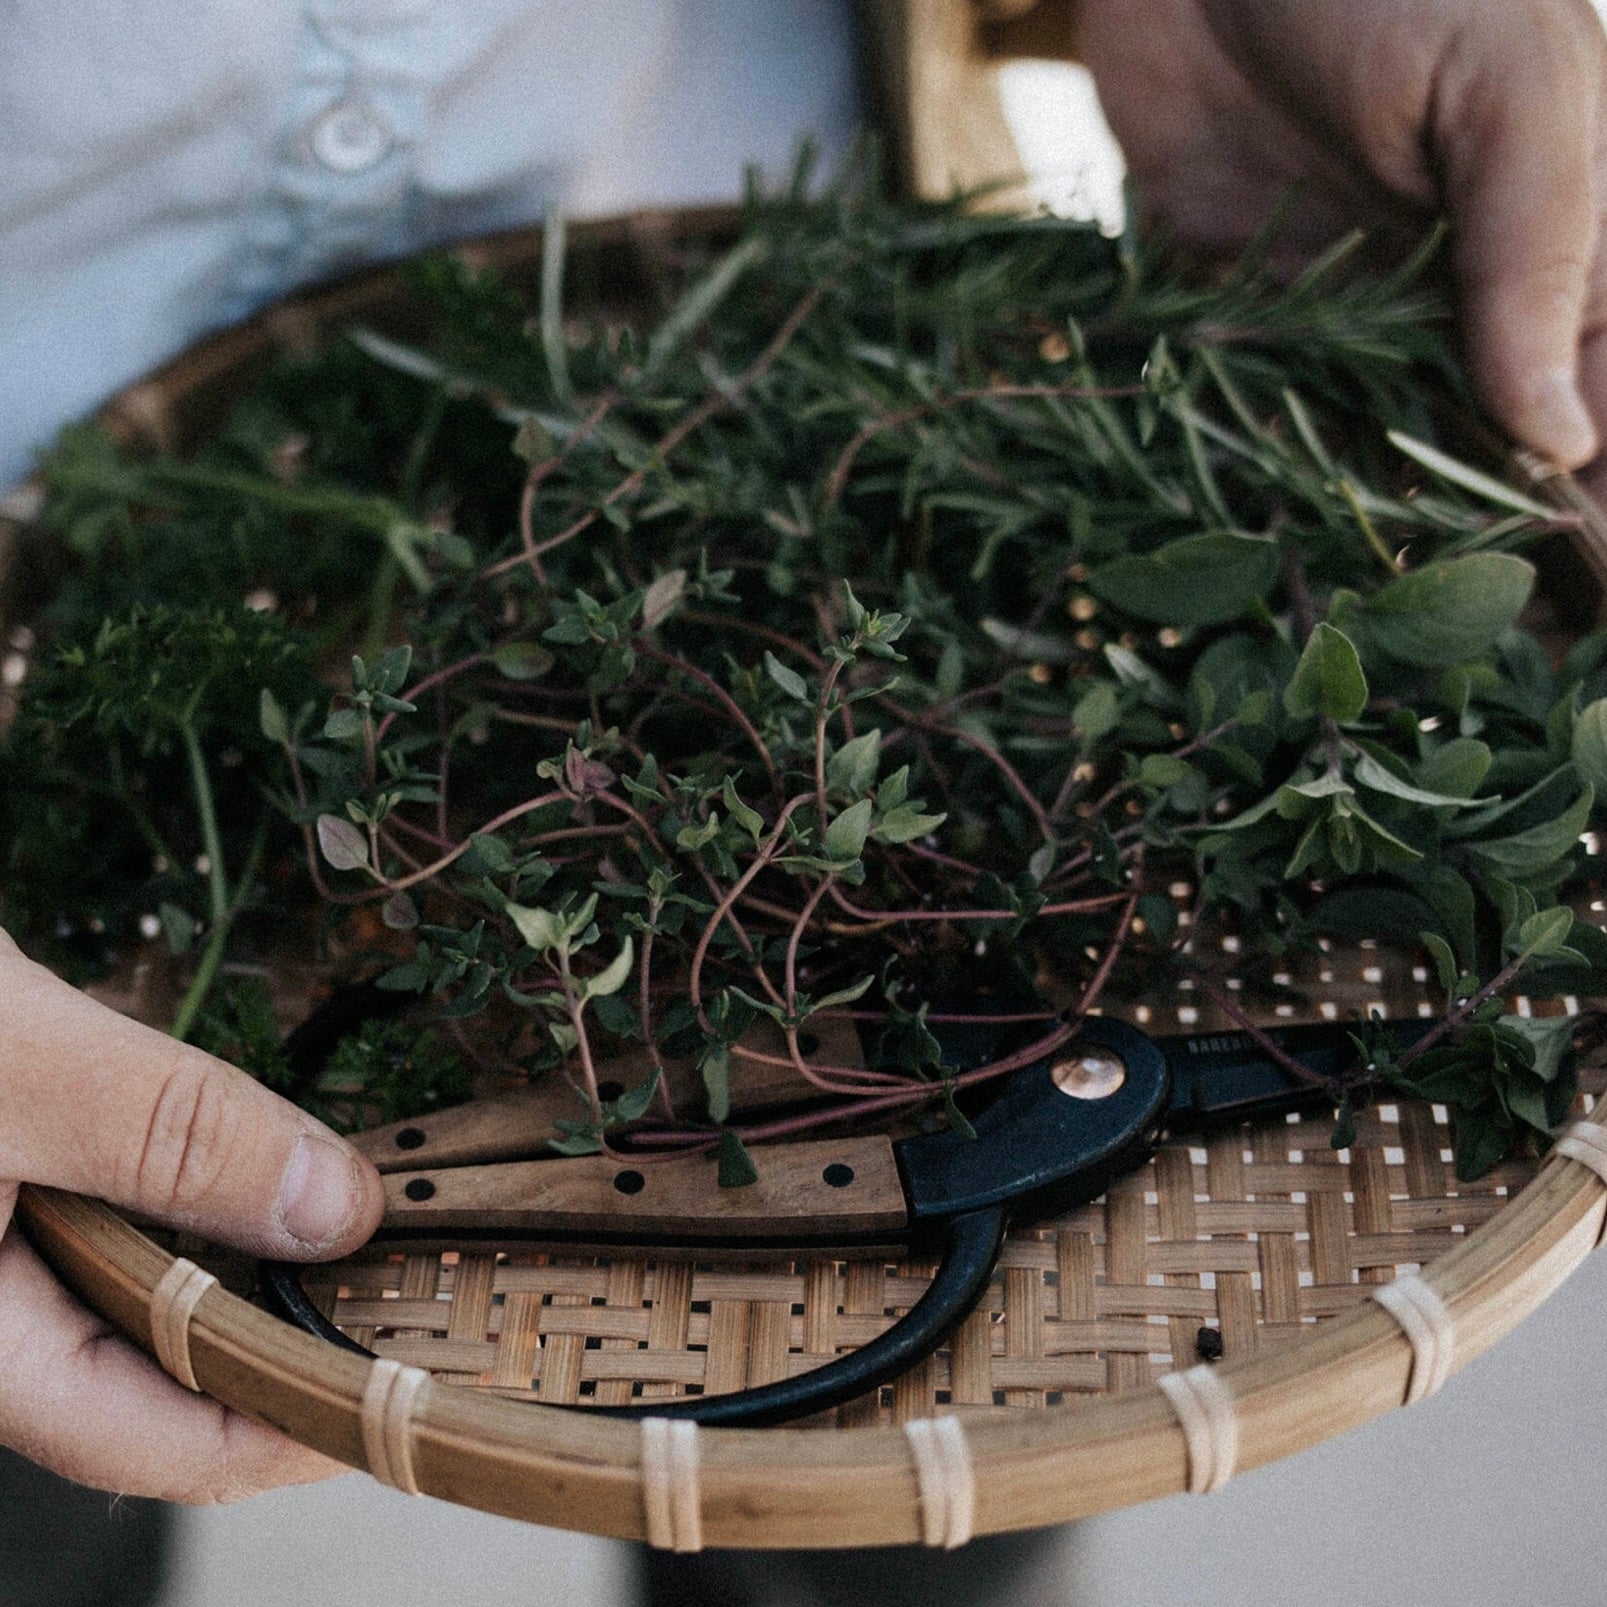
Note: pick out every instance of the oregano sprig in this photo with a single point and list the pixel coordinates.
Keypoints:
(896, 621)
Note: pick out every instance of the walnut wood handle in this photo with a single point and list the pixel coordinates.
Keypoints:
(519, 1122)
(830, 1191)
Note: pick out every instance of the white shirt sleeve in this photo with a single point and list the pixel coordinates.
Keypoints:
(168, 166)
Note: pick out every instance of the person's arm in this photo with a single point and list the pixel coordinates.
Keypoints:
(93, 1102)
(1387, 113)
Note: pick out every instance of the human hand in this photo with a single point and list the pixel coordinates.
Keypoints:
(1388, 113)
(93, 1102)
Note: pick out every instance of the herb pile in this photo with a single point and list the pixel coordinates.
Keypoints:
(898, 614)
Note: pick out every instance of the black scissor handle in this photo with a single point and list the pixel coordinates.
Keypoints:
(970, 1250)
(1056, 1134)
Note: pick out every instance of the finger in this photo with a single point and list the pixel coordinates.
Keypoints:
(1593, 382)
(1516, 133)
(85, 1403)
(93, 1102)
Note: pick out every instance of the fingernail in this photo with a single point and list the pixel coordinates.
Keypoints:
(319, 1193)
(1562, 426)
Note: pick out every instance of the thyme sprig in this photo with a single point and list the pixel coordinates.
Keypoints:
(889, 624)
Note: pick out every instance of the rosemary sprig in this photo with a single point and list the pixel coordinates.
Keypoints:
(920, 598)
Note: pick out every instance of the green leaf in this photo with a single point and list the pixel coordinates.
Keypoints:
(845, 836)
(533, 441)
(403, 538)
(1451, 899)
(571, 631)
(413, 977)
(178, 927)
(632, 1105)
(613, 976)
(736, 1165)
(699, 302)
(1159, 915)
(1379, 914)
(1539, 849)
(905, 823)
(390, 674)
(1161, 770)
(1481, 1139)
(662, 598)
(843, 996)
(1468, 478)
(1291, 794)
(958, 1121)
(1328, 679)
(950, 670)
(343, 725)
(522, 661)
(1371, 774)
(1589, 744)
(1445, 967)
(1196, 580)
(342, 844)
(1254, 708)
(1385, 847)
(716, 1070)
(1097, 711)
(487, 855)
(1024, 644)
(852, 768)
(790, 681)
(577, 1144)
(894, 789)
(1256, 813)
(1455, 768)
(550, 315)
(1344, 1133)
(691, 838)
(617, 1015)
(748, 818)
(271, 719)
(1526, 1099)
(1545, 933)
(1552, 1039)
(1448, 611)
(540, 928)
(399, 912)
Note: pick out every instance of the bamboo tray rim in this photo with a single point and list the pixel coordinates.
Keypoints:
(849, 1486)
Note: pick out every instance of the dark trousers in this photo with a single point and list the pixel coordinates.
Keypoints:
(64, 1546)
(1001, 1570)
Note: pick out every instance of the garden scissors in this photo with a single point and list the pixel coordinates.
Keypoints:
(1054, 1136)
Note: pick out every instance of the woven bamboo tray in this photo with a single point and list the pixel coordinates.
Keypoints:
(1266, 1235)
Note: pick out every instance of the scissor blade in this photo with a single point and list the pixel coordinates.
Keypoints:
(828, 1191)
(1221, 1077)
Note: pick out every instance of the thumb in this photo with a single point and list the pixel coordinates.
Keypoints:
(93, 1102)
(1516, 135)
